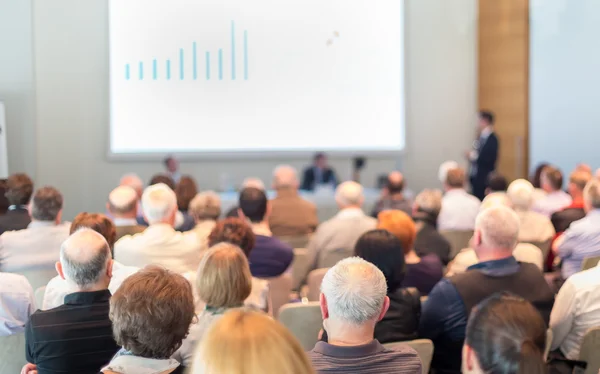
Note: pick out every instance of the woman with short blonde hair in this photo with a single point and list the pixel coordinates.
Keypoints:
(254, 343)
(223, 282)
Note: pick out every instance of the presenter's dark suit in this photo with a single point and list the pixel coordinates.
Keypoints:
(484, 165)
(310, 182)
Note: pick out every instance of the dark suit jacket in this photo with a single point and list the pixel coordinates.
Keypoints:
(488, 155)
(17, 219)
(309, 181)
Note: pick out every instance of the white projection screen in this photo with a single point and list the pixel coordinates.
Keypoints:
(247, 77)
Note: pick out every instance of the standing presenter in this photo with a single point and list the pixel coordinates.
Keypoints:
(484, 155)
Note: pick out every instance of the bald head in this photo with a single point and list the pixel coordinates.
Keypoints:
(135, 182)
(85, 260)
(285, 176)
(349, 194)
(122, 201)
(253, 183)
(395, 182)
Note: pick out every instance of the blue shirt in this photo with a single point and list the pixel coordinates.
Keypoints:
(270, 257)
(581, 240)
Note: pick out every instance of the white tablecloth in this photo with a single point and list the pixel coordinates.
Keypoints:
(324, 200)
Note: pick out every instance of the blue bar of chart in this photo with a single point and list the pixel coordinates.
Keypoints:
(193, 62)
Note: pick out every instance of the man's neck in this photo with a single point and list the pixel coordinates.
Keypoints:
(261, 228)
(94, 288)
(397, 196)
(577, 198)
(493, 254)
(37, 222)
(347, 335)
(286, 192)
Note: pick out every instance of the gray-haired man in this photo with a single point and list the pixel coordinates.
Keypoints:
(353, 299)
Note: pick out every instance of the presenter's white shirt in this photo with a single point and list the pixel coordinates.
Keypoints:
(160, 245)
(459, 210)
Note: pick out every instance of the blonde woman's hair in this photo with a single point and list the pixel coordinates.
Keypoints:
(224, 279)
(245, 341)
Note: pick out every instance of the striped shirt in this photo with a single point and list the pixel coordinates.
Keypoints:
(581, 240)
(372, 358)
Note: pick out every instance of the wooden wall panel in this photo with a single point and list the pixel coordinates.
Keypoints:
(503, 51)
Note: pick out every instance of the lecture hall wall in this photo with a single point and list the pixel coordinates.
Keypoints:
(54, 82)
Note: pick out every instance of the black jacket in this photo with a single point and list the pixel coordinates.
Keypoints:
(429, 240)
(17, 219)
(309, 181)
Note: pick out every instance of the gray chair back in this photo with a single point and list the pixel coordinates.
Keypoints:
(296, 241)
(458, 240)
(590, 262)
(424, 348)
(39, 277)
(39, 296)
(304, 321)
(279, 291)
(315, 278)
(330, 258)
(589, 350)
(300, 266)
(12, 353)
(543, 246)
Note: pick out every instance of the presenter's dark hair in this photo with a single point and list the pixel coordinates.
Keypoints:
(384, 250)
(253, 203)
(497, 182)
(487, 115)
(508, 335)
(167, 160)
(319, 155)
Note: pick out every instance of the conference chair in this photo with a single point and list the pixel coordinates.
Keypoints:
(304, 320)
(39, 277)
(315, 278)
(296, 241)
(279, 291)
(12, 353)
(543, 246)
(549, 337)
(589, 263)
(39, 296)
(330, 258)
(589, 350)
(458, 240)
(424, 348)
(300, 266)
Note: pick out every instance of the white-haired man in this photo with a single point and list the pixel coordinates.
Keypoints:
(77, 336)
(335, 238)
(535, 227)
(459, 209)
(123, 207)
(34, 250)
(160, 244)
(447, 309)
(353, 299)
(291, 215)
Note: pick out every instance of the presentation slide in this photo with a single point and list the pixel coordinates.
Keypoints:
(227, 76)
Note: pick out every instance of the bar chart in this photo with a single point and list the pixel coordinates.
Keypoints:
(189, 55)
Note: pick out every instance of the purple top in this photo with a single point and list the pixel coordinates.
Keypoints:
(270, 257)
(424, 274)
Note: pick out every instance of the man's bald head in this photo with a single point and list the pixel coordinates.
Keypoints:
(395, 183)
(285, 176)
(85, 260)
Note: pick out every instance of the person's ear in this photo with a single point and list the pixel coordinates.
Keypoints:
(323, 304)
(59, 269)
(109, 268)
(468, 359)
(476, 240)
(59, 217)
(386, 306)
(241, 214)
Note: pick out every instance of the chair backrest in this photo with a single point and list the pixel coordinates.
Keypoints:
(589, 263)
(458, 240)
(549, 337)
(315, 278)
(590, 347)
(424, 348)
(296, 241)
(543, 246)
(304, 321)
(39, 277)
(300, 266)
(279, 291)
(39, 296)
(12, 353)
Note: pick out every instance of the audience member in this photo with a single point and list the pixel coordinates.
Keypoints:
(319, 174)
(185, 191)
(223, 282)
(444, 169)
(496, 183)
(151, 314)
(16, 303)
(340, 233)
(36, 248)
(555, 199)
(421, 272)
(505, 334)
(253, 343)
(583, 167)
(19, 189)
(459, 209)
(536, 181)
(4, 204)
(576, 310)
(76, 337)
(246, 183)
(384, 250)
(160, 244)
(123, 207)
(291, 215)
(426, 210)
(172, 166)
(164, 179)
(562, 219)
(205, 208)
(582, 239)
(534, 227)
(353, 299)
(270, 257)
(133, 181)
(394, 196)
(237, 232)
(447, 309)
(58, 288)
